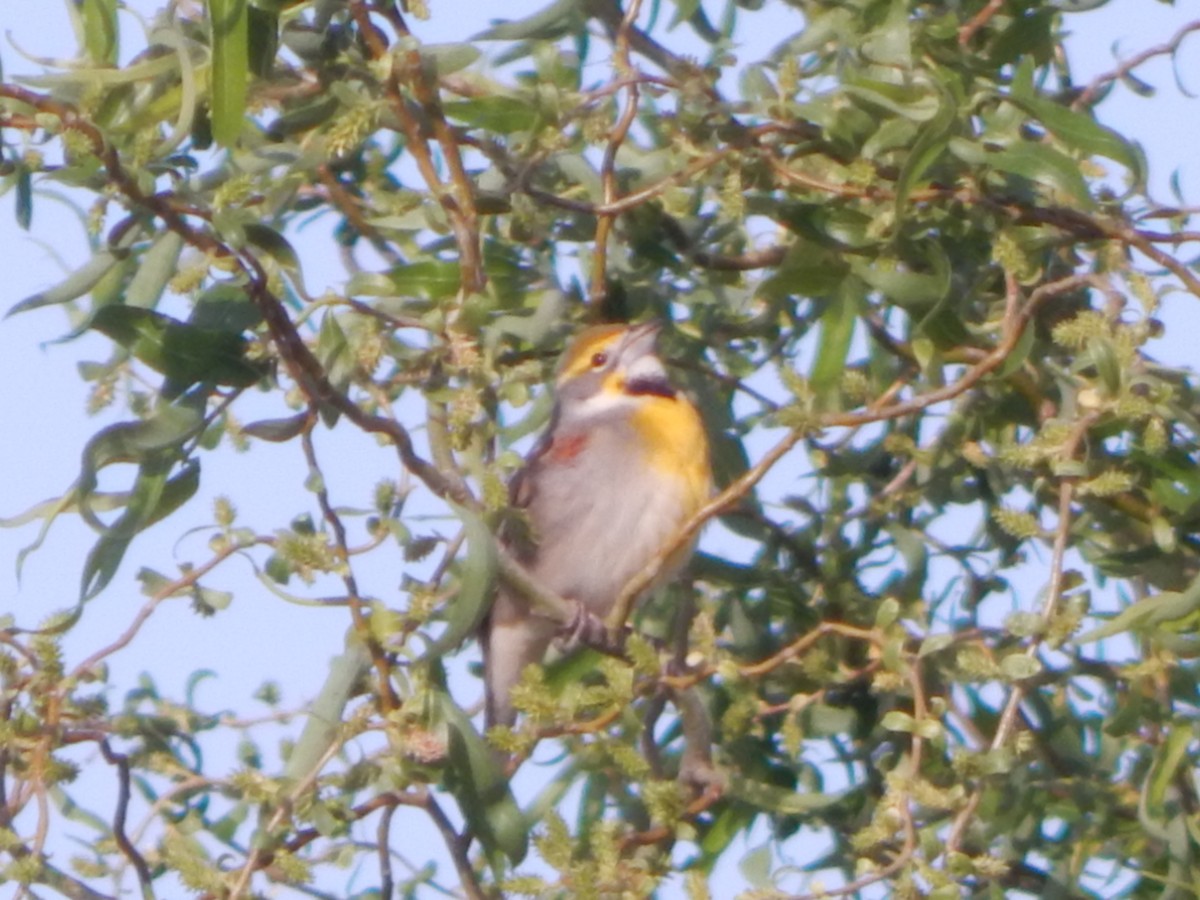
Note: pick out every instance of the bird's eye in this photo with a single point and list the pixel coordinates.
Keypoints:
(599, 360)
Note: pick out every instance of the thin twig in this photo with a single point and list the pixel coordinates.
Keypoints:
(608, 174)
(1092, 91)
(458, 200)
(383, 669)
(168, 590)
(1008, 716)
(1015, 323)
(383, 839)
(456, 845)
(978, 21)
(121, 761)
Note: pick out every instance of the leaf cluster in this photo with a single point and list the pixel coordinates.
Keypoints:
(909, 277)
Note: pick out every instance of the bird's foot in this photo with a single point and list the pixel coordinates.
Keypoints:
(586, 629)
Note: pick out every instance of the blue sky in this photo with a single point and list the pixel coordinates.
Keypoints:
(44, 401)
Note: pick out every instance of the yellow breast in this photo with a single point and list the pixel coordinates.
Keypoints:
(675, 443)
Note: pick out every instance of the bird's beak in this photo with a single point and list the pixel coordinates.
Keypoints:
(641, 341)
(643, 370)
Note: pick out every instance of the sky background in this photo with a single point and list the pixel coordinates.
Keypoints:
(42, 404)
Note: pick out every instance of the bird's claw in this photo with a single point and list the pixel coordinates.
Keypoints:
(586, 629)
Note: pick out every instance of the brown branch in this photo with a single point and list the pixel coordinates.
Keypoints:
(299, 360)
(1092, 91)
(187, 580)
(1015, 323)
(1008, 716)
(350, 207)
(383, 669)
(121, 761)
(608, 174)
(978, 21)
(383, 840)
(455, 844)
(459, 200)
(1135, 238)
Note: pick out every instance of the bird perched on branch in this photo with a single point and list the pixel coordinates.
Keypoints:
(622, 466)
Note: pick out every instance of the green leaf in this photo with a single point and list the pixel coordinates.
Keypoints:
(920, 103)
(24, 204)
(446, 59)
(1019, 666)
(1046, 166)
(896, 720)
(74, 285)
(807, 270)
(276, 246)
(1141, 616)
(837, 328)
(1171, 756)
(135, 442)
(154, 497)
(500, 114)
(1081, 132)
(887, 613)
(431, 278)
(476, 582)
(551, 22)
(229, 28)
(477, 780)
(325, 716)
(756, 866)
(909, 290)
(932, 140)
(100, 29)
(155, 268)
(934, 643)
(262, 40)
(277, 430)
(776, 799)
(186, 354)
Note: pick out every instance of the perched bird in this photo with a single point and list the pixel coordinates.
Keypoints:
(623, 464)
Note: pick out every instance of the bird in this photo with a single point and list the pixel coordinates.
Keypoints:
(622, 465)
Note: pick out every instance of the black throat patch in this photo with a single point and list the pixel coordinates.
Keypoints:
(659, 387)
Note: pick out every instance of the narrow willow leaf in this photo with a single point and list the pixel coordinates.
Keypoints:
(325, 717)
(276, 246)
(276, 430)
(909, 290)
(837, 328)
(155, 268)
(1167, 606)
(131, 442)
(1080, 132)
(428, 278)
(551, 22)
(1046, 166)
(478, 783)
(24, 206)
(504, 115)
(476, 583)
(446, 59)
(262, 39)
(229, 26)
(932, 140)
(186, 354)
(154, 497)
(774, 798)
(73, 286)
(100, 29)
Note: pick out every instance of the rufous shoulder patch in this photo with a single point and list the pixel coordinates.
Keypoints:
(564, 448)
